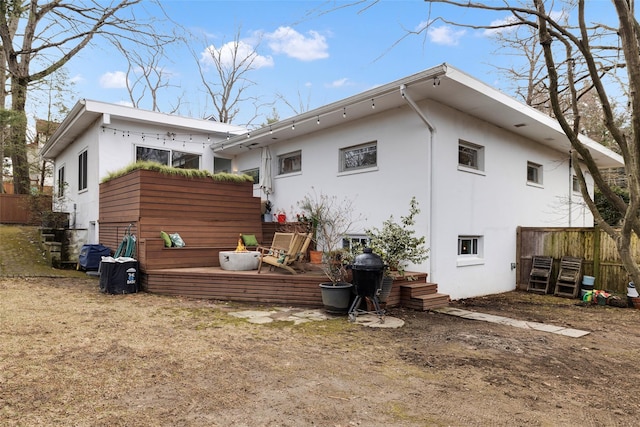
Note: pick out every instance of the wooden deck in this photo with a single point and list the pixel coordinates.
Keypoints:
(274, 287)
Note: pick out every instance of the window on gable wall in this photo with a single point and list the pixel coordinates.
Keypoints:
(290, 162)
(61, 184)
(534, 173)
(82, 171)
(575, 184)
(359, 156)
(470, 155)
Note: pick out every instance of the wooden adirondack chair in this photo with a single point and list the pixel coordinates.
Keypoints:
(282, 254)
(540, 275)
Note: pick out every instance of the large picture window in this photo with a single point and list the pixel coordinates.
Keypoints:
(359, 157)
(82, 171)
(178, 159)
(290, 162)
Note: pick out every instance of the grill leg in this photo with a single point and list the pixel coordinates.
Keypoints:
(353, 309)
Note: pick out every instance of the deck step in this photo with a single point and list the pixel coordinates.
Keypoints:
(428, 302)
(415, 289)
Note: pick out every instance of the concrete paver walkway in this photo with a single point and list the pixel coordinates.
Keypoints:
(472, 315)
(298, 316)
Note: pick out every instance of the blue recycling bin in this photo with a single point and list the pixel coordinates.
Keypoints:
(90, 256)
(119, 277)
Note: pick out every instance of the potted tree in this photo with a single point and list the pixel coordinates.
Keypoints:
(332, 219)
(397, 245)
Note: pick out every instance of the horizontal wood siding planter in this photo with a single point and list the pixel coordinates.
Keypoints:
(207, 214)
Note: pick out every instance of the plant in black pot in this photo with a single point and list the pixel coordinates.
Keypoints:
(333, 219)
(397, 245)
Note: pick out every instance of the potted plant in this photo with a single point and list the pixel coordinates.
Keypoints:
(332, 219)
(397, 245)
(267, 216)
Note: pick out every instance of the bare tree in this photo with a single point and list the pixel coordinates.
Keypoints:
(147, 74)
(587, 55)
(50, 35)
(229, 88)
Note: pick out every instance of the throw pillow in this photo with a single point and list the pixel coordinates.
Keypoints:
(177, 240)
(249, 240)
(166, 238)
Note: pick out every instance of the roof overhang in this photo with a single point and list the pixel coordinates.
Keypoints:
(443, 84)
(86, 112)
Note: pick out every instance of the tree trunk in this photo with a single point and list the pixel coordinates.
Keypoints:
(18, 137)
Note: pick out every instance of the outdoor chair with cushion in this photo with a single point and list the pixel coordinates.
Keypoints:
(283, 255)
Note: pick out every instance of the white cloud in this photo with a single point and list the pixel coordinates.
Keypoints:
(421, 26)
(226, 54)
(125, 103)
(77, 79)
(445, 35)
(295, 45)
(113, 80)
(338, 83)
(503, 23)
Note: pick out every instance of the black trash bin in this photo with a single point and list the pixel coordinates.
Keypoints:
(119, 277)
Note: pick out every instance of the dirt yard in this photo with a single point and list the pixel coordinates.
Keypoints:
(70, 355)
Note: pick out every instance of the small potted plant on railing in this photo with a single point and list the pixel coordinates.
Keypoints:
(267, 216)
(397, 245)
(333, 220)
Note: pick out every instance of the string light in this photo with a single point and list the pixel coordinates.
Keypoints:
(293, 126)
(344, 112)
(318, 121)
(373, 104)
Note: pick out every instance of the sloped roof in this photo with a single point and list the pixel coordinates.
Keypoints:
(444, 84)
(86, 112)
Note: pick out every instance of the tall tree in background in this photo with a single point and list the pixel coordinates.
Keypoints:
(579, 58)
(229, 87)
(50, 35)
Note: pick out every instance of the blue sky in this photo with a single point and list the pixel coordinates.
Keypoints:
(309, 55)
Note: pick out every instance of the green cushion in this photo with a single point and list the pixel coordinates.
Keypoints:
(166, 238)
(249, 240)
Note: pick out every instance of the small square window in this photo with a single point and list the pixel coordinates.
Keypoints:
(534, 173)
(470, 250)
(359, 157)
(470, 155)
(290, 162)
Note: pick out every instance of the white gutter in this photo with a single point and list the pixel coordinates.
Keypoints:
(432, 131)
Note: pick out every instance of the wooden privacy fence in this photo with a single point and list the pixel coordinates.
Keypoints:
(15, 208)
(598, 252)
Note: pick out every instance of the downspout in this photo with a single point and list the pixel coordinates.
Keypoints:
(432, 131)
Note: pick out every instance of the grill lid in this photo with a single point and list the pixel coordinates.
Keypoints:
(368, 261)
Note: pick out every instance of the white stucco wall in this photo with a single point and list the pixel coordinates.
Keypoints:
(490, 205)
(113, 148)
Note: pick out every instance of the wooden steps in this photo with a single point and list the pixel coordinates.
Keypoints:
(422, 296)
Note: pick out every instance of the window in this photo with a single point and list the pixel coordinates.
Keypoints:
(185, 160)
(152, 155)
(470, 155)
(178, 158)
(82, 171)
(470, 250)
(221, 165)
(534, 173)
(359, 157)
(575, 185)
(355, 242)
(467, 245)
(291, 162)
(61, 183)
(254, 173)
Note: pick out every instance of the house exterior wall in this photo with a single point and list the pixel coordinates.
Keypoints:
(110, 147)
(489, 205)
